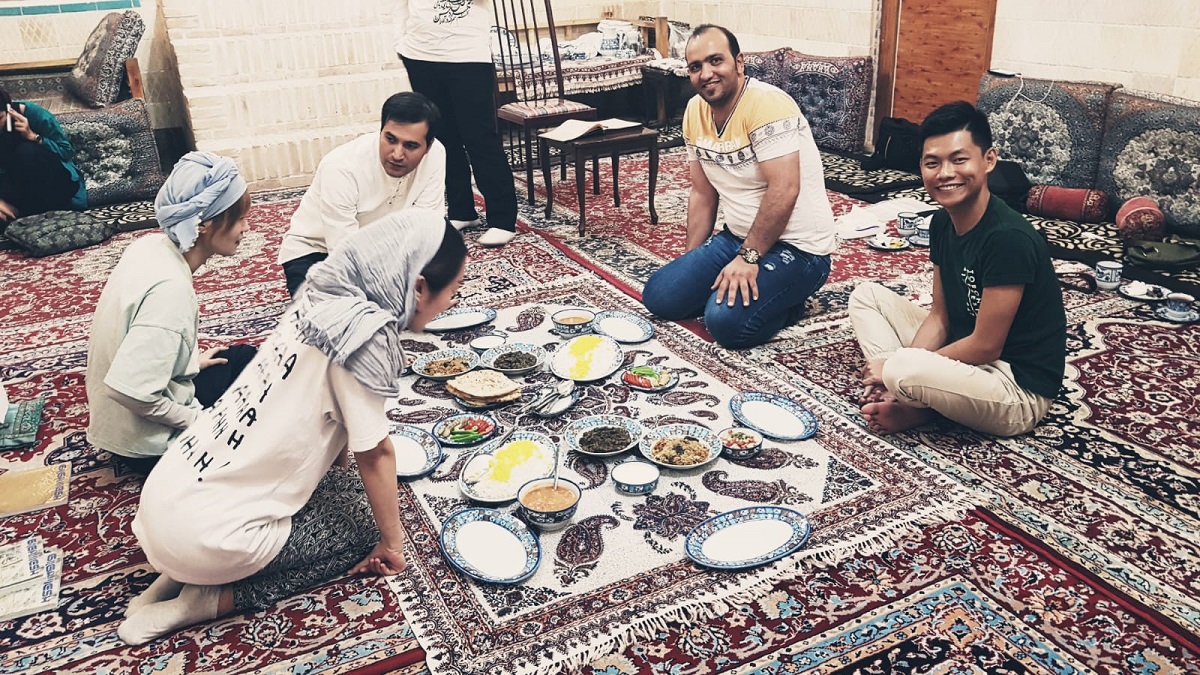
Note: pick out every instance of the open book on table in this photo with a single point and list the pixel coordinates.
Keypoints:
(573, 129)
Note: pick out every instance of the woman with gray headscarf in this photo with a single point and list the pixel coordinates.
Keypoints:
(246, 507)
(146, 379)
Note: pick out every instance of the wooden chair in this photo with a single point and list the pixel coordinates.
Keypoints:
(530, 83)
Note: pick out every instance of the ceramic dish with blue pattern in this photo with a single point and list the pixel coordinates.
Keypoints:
(510, 351)
(747, 537)
(490, 545)
(680, 446)
(417, 451)
(624, 327)
(773, 416)
(587, 358)
(576, 430)
(434, 364)
(458, 318)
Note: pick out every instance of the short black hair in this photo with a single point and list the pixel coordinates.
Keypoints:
(448, 260)
(409, 107)
(734, 47)
(957, 116)
(5, 98)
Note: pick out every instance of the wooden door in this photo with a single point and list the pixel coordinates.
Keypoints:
(931, 52)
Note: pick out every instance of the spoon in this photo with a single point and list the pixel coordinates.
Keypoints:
(562, 390)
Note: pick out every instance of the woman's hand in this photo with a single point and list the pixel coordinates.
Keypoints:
(20, 124)
(382, 561)
(209, 357)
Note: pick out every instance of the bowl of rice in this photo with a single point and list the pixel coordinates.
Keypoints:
(680, 446)
(498, 469)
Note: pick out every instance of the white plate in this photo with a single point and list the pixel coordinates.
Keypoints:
(500, 481)
(624, 327)
(702, 434)
(575, 430)
(747, 537)
(587, 358)
(417, 451)
(489, 357)
(422, 361)
(458, 318)
(490, 545)
(1138, 290)
(773, 415)
(888, 243)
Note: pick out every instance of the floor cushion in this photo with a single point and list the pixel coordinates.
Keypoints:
(834, 94)
(57, 232)
(115, 151)
(1052, 129)
(1140, 218)
(765, 66)
(1152, 148)
(100, 71)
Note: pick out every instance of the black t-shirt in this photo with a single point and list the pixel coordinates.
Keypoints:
(1005, 250)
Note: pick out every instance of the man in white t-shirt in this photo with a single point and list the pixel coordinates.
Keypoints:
(445, 47)
(372, 176)
(752, 153)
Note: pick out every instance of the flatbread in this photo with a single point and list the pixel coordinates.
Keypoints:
(514, 396)
(483, 386)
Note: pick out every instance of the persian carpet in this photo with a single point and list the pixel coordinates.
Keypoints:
(1104, 492)
(618, 573)
(348, 625)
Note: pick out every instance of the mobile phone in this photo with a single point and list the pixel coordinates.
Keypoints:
(8, 117)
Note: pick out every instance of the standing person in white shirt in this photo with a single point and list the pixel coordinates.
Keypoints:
(246, 507)
(445, 47)
(368, 178)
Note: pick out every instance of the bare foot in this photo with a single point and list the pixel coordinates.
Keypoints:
(887, 415)
(871, 393)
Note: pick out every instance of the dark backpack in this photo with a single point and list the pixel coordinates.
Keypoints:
(1009, 182)
(899, 147)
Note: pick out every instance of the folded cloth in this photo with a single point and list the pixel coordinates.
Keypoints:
(1079, 204)
(21, 422)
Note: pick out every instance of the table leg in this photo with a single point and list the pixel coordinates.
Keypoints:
(529, 162)
(544, 151)
(580, 188)
(616, 170)
(660, 91)
(595, 174)
(653, 177)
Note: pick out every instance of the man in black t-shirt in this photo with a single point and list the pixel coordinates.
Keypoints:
(991, 351)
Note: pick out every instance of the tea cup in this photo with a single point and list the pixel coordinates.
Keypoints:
(907, 223)
(1108, 275)
(1178, 306)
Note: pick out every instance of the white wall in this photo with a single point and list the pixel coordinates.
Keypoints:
(1144, 44)
(822, 27)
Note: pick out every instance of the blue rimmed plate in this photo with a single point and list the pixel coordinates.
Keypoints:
(773, 415)
(490, 545)
(443, 429)
(507, 457)
(748, 537)
(417, 451)
(672, 380)
(587, 358)
(624, 327)
(489, 357)
(575, 431)
(458, 318)
(468, 356)
(707, 439)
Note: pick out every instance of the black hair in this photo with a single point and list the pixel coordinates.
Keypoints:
(447, 262)
(5, 98)
(409, 107)
(957, 116)
(734, 47)
(226, 219)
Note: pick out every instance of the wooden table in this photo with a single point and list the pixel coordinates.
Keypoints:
(610, 144)
(665, 86)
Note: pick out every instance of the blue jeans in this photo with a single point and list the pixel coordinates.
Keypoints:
(787, 276)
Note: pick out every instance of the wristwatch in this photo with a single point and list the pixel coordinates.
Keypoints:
(749, 255)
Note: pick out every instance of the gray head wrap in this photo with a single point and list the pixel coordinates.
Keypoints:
(201, 186)
(356, 302)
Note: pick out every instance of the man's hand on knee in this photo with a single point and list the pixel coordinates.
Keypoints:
(738, 277)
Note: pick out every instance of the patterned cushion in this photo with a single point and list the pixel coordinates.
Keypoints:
(1051, 201)
(115, 151)
(1052, 129)
(58, 231)
(1140, 219)
(834, 94)
(765, 66)
(100, 70)
(1152, 148)
(554, 106)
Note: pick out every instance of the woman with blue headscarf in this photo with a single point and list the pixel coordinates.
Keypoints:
(246, 507)
(146, 379)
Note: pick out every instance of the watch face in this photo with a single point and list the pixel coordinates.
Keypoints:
(749, 255)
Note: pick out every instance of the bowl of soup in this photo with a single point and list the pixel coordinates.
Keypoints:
(545, 506)
(573, 321)
(635, 477)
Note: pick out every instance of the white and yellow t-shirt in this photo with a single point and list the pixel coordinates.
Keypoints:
(766, 124)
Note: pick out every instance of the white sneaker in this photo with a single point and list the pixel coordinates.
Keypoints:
(461, 225)
(495, 236)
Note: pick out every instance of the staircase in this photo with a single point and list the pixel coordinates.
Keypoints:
(276, 84)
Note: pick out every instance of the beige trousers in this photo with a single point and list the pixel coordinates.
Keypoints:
(985, 397)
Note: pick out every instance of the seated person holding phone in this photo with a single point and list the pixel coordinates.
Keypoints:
(37, 167)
